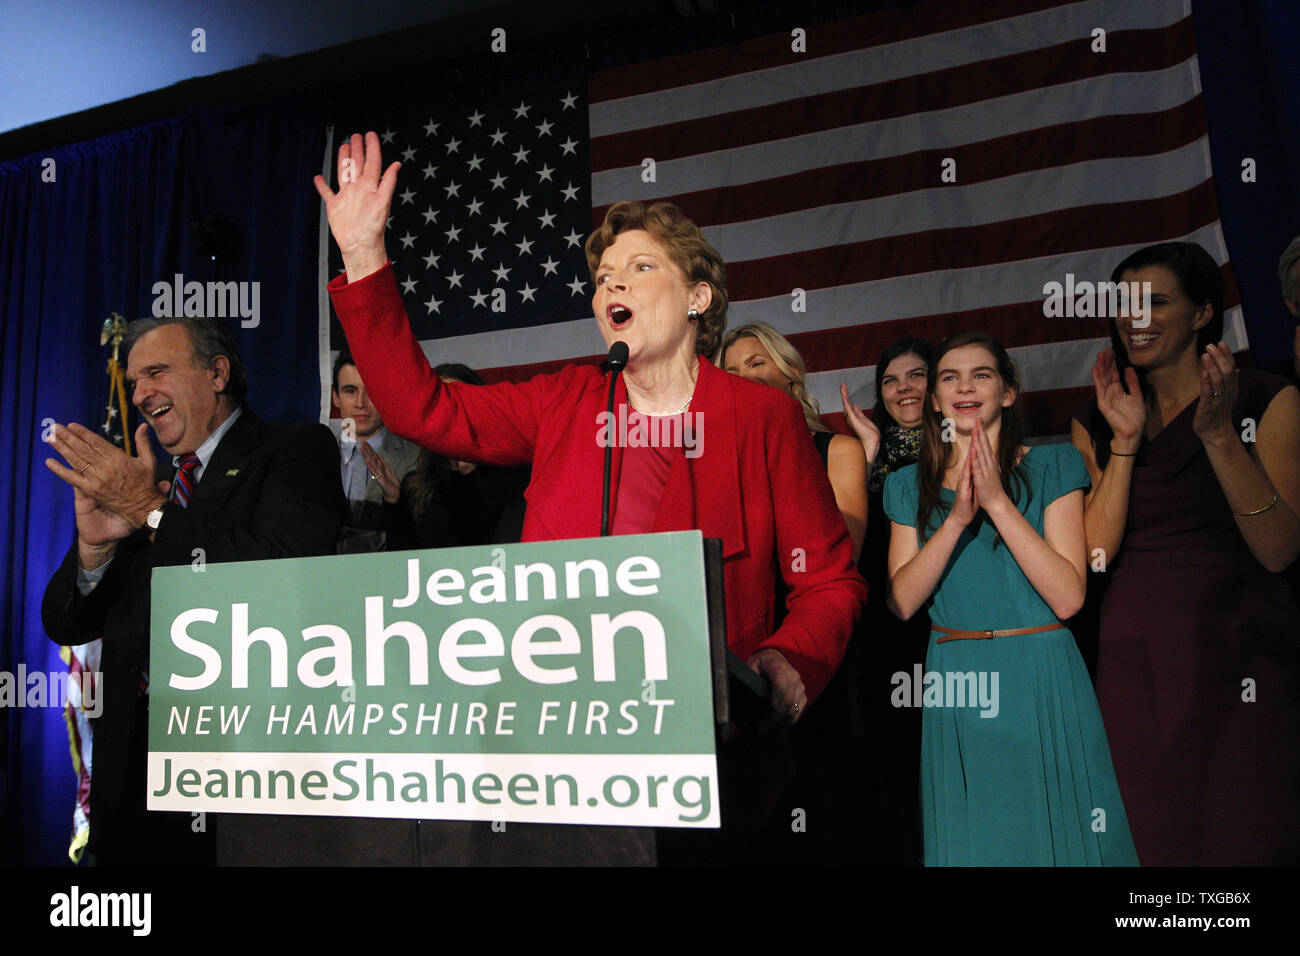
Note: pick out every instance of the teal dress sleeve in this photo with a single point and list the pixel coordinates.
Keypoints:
(1066, 473)
(899, 496)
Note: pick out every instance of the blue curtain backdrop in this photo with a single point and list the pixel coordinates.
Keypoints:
(1247, 51)
(117, 220)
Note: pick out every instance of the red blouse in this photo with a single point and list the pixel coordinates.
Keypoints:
(641, 485)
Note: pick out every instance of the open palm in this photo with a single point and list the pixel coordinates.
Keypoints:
(1124, 409)
(358, 212)
(866, 430)
(96, 525)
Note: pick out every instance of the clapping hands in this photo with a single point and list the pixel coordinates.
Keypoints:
(1123, 407)
(980, 483)
(1218, 394)
(112, 491)
(866, 430)
(382, 472)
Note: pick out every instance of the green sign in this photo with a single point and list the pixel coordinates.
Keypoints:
(553, 682)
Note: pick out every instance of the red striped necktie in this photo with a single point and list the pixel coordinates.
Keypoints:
(183, 486)
(182, 492)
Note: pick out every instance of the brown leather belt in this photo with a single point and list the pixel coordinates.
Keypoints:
(956, 635)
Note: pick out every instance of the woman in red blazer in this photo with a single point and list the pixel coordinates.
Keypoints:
(740, 467)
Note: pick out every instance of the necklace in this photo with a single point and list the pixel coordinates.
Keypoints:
(677, 411)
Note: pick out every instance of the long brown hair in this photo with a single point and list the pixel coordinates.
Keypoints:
(937, 454)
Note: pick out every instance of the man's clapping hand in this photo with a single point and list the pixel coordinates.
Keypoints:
(113, 492)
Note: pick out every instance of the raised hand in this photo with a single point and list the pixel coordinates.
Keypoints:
(1213, 421)
(866, 430)
(358, 212)
(1124, 410)
(382, 473)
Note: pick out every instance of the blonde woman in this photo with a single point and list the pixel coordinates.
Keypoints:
(762, 354)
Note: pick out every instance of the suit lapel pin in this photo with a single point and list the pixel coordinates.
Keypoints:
(232, 472)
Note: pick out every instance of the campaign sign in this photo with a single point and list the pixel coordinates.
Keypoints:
(553, 682)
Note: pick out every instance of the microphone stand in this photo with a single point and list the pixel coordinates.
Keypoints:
(614, 362)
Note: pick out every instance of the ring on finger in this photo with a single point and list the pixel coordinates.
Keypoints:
(84, 468)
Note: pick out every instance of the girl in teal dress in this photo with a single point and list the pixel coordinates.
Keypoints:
(1015, 768)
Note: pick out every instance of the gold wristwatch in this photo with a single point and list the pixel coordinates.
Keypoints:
(152, 519)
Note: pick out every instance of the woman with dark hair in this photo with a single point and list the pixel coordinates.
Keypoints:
(1015, 767)
(894, 646)
(901, 376)
(1195, 469)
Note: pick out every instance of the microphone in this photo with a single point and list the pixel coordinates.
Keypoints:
(614, 363)
(617, 357)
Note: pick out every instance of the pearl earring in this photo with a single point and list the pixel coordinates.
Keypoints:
(693, 314)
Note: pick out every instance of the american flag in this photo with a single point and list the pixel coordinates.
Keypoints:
(493, 206)
(915, 173)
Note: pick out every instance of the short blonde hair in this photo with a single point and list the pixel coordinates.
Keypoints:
(787, 360)
(686, 247)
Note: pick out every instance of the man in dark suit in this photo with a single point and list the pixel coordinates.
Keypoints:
(242, 489)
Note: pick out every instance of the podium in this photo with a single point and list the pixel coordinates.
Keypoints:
(655, 610)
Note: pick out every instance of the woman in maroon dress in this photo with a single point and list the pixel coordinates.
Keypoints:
(1195, 469)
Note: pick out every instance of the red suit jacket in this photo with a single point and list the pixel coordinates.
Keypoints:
(757, 484)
